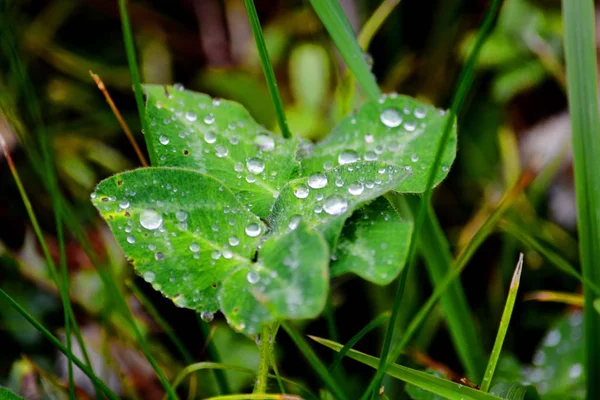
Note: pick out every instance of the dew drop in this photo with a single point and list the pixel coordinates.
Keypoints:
(159, 256)
(210, 137)
(265, 143)
(414, 158)
(371, 156)
(253, 229)
(356, 189)
(221, 151)
(195, 247)
(390, 118)
(255, 165)
(347, 157)
(181, 215)
(317, 181)
(150, 219)
(163, 139)
(190, 116)
(301, 191)
(410, 126)
(252, 277)
(130, 239)
(207, 316)
(149, 276)
(420, 112)
(327, 165)
(294, 222)
(234, 241)
(369, 138)
(124, 204)
(209, 119)
(335, 205)
(238, 167)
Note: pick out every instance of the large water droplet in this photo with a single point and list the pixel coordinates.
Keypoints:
(181, 215)
(150, 219)
(124, 204)
(301, 191)
(221, 151)
(356, 188)
(347, 157)
(420, 112)
(390, 117)
(335, 205)
(130, 239)
(414, 158)
(317, 181)
(149, 276)
(234, 241)
(255, 165)
(253, 277)
(210, 137)
(190, 116)
(195, 247)
(294, 222)
(371, 156)
(163, 139)
(265, 143)
(253, 229)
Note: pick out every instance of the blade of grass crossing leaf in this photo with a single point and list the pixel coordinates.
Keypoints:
(332, 16)
(504, 322)
(555, 297)
(97, 382)
(464, 83)
(135, 77)
(356, 338)
(458, 318)
(582, 83)
(214, 355)
(314, 361)
(265, 62)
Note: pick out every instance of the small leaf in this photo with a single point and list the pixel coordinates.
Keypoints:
(510, 391)
(6, 394)
(398, 130)
(219, 137)
(374, 243)
(183, 231)
(326, 199)
(289, 281)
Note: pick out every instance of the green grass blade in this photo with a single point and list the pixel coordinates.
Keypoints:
(356, 338)
(314, 361)
(504, 322)
(97, 382)
(374, 23)
(214, 355)
(265, 62)
(135, 77)
(256, 397)
(439, 386)
(331, 14)
(582, 80)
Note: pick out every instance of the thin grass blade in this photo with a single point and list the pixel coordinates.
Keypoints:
(504, 322)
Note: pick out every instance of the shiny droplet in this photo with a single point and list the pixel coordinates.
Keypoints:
(294, 222)
(265, 143)
(124, 204)
(317, 181)
(195, 247)
(301, 191)
(356, 189)
(347, 157)
(130, 239)
(150, 219)
(207, 316)
(414, 158)
(149, 276)
(181, 215)
(335, 205)
(163, 139)
(190, 116)
(234, 241)
(209, 119)
(221, 151)
(252, 277)
(210, 137)
(253, 229)
(390, 118)
(255, 165)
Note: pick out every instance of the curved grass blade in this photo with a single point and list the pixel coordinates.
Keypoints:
(504, 322)
(423, 380)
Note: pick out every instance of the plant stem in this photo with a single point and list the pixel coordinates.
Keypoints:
(582, 81)
(267, 67)
(135, 77)
(260, 386)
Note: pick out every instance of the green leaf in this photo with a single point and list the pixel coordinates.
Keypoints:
(289, 281)
(374, 243)
(219, 137)
(416, 393)
(396, 129)
(183, 231)
(326, 199)
(6, 394)
(423, 380)
(510, 391)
